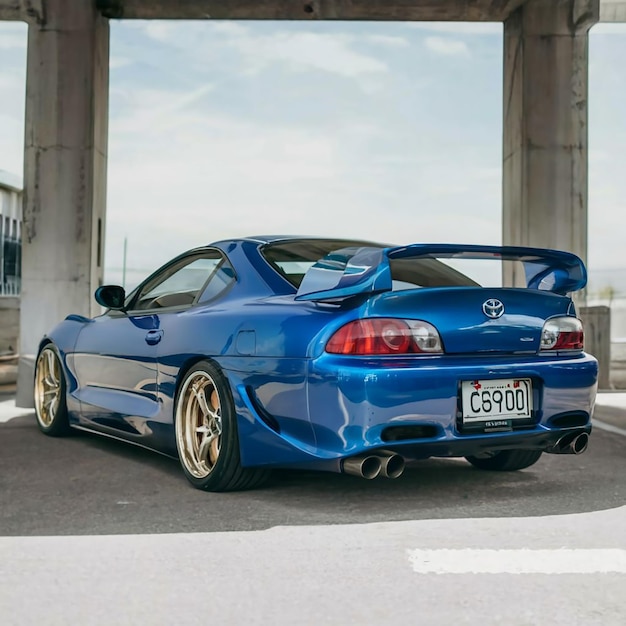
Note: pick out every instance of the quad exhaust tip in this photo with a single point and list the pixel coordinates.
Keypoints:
(392, 464)
(572, 443)
(369, 466)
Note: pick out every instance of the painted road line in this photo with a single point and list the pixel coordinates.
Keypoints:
(526, 561)
(9, 411)
(608, 427)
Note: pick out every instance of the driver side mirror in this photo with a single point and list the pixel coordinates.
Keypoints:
(111, 297)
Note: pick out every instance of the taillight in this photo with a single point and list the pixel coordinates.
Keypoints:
(562, 333)
(381, 335)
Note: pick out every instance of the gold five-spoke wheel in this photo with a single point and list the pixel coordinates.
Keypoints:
(207, 437)
(49, 393)
(199, 424)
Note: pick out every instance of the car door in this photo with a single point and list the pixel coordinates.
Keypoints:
(188, 331)
(115, 365)
(116, 355)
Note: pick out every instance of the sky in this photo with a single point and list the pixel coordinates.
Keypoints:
(383, 131)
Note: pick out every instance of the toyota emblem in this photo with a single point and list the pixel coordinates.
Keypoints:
(493, 309)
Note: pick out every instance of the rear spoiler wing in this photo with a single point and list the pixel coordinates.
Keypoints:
(366, 270)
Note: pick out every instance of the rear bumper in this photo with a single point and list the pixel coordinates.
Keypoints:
(536, 439)
(352, 402)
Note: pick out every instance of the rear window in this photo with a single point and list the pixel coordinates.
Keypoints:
(292, 259)
(413, 273)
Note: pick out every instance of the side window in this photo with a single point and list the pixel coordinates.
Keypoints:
(179, 284)
(221, 278)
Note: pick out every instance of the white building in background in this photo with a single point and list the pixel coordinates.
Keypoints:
(10, 261)
(10, 234)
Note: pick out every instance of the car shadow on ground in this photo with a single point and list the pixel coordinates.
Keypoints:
(85, 484)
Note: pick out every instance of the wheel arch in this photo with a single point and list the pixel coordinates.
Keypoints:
(184, 370)
(43, 343)
(226, 473)
(47, 341)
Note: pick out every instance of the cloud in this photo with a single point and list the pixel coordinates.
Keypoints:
(219, 175)
(230, 28)
(296, 50)
(608, 29)
(12, 40)
(12, 95)
(12, 142)
(302, 51)
(285, 142)
(11, 82)
(446, 47)
(161, 30)
(13, 35)
(156, 110)
(388, 40)
(116, 62)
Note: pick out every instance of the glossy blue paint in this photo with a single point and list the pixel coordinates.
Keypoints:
(298, 406)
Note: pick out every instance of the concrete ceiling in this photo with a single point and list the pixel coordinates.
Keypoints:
(383, 10)
(613, 10)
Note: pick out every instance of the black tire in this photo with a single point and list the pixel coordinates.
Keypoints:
(49, 393)
(210, 457)
(506, 460)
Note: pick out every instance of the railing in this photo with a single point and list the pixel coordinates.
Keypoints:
(10, 286)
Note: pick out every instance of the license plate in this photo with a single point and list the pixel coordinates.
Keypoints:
(508, 398)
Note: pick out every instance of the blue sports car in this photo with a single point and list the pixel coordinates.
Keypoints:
(345, 356)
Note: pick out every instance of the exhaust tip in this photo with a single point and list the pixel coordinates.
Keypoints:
(392, 465)
(571, 443)
(579, 444)
(367, 467)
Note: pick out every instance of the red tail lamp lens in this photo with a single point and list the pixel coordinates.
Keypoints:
(385, 336)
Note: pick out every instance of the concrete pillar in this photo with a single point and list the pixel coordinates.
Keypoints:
(597, 324)
(545, 125)
(65, 172)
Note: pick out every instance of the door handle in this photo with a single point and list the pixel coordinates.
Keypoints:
(153, 337)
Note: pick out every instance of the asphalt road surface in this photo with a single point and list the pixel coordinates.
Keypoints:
(97, 532)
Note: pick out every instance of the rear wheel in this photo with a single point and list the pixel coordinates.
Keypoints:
(49, 393)
(506, 460)
(206, 433)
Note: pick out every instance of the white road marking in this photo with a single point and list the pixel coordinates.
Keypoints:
(608, 427)
(337, 574)
(9, 411)
(525, 561)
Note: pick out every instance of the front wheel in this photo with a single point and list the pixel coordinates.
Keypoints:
(206, 433)
(506, 460)
(49, 393)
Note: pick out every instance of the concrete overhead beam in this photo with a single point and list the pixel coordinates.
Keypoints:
(382, 10)
(613, 11)
(22, 11)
